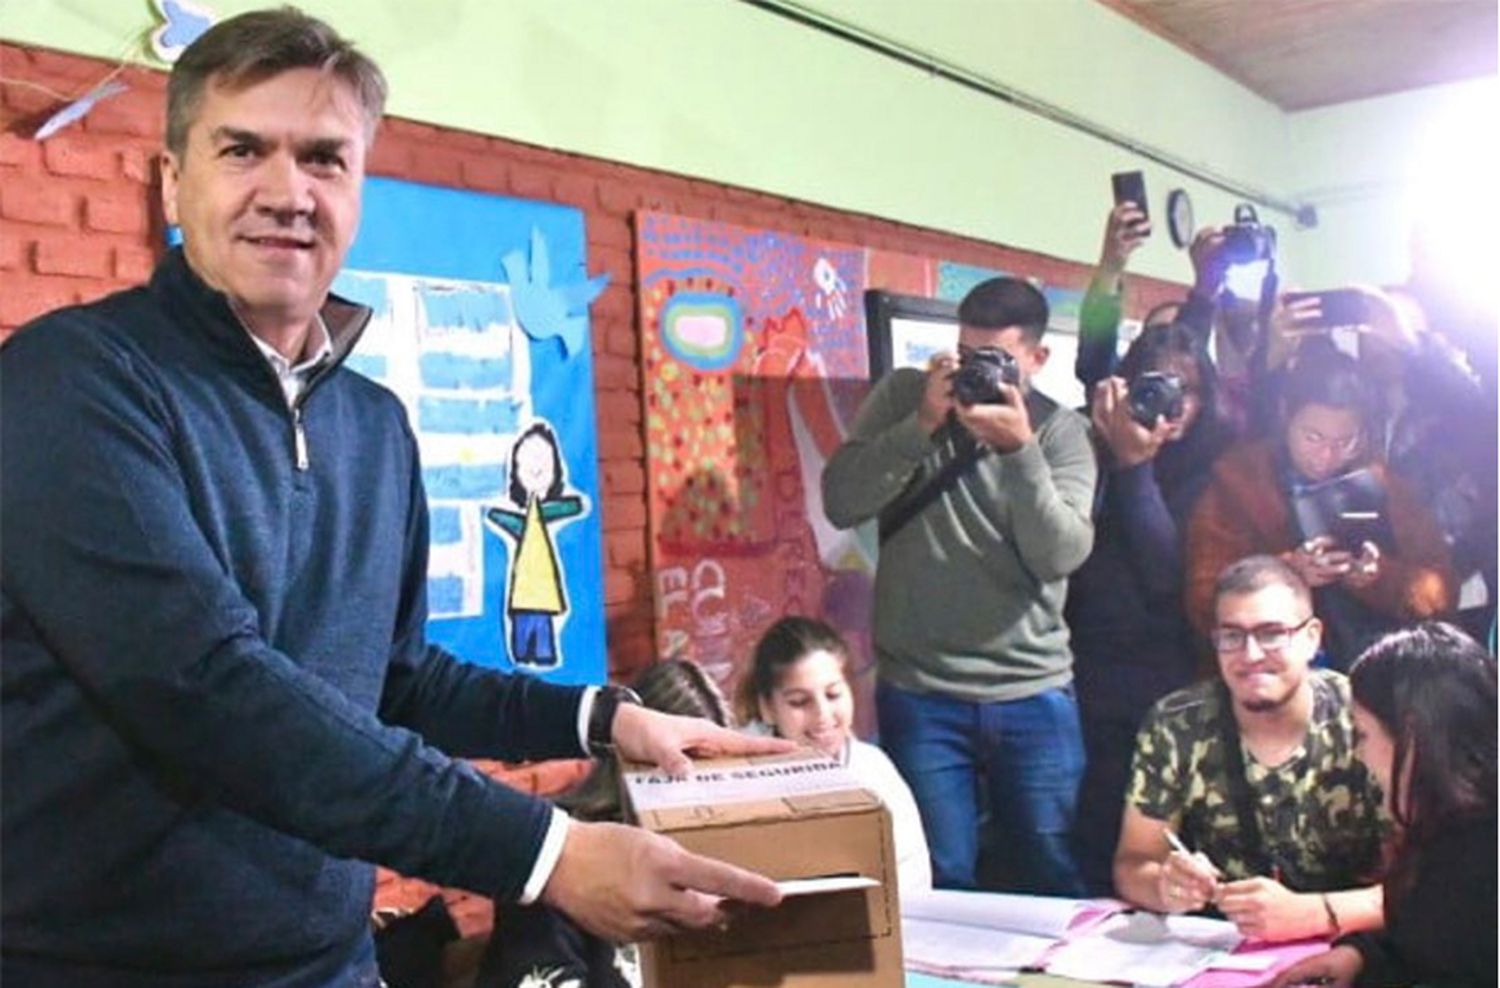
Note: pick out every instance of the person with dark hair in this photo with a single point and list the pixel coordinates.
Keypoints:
(1328, 429)
(1245, 794)
(1125, 231)
(797, 687)
(1131, 642)
(1424, 713)
(220, 706)
(534, 946)
(982, 486)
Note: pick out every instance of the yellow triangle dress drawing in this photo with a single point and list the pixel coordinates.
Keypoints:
(535, 580)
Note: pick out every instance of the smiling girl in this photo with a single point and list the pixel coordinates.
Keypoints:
(797, 687)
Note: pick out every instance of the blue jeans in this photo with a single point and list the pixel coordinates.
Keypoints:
(1029, 754)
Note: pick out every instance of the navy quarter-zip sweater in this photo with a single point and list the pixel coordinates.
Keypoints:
(218, 702)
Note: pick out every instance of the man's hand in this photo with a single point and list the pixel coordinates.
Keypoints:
(1390, 320)
(1364, 569)
(1210, 266)
(1337, 968)
(1130, 442)
(1318, 562)
(624, 884)
(1186, 882)
(641, 734)
(1125, 229)
(1292, 321)
(1265, 909)
(1003, 426)
(937, 397)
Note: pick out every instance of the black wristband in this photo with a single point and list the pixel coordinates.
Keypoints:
(601, 727)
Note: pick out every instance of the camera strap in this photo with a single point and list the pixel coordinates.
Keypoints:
(903, 510)
(969, 451)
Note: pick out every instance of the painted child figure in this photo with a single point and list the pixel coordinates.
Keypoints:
(797, 687)
(537, 593)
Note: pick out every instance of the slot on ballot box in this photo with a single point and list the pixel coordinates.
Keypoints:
(803, 821)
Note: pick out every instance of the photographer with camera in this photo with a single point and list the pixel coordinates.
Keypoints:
(982, 486)
(1441, 432)
(1158, 432)
(1207, 305)
(1370, 569)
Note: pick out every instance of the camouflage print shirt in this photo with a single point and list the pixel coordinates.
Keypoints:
(1319, 812)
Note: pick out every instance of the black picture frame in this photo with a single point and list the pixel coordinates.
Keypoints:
(893, 321)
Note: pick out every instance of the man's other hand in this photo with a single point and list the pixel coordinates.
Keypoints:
(623, 883)
(937, 397)
(1210, 265)
(1318, 562)
(1125, 229)
(1264, 909)
(1003, 426)
(1130, 442)
(641, 734)
(1186, 882)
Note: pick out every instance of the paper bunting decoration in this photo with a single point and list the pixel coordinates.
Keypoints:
(79, 107)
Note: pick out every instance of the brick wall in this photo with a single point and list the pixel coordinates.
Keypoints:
(80, 217)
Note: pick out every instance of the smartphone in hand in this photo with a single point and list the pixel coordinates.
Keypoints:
(1335, 307)
(1131, 187)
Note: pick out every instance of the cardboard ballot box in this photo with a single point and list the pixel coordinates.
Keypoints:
(788, 817)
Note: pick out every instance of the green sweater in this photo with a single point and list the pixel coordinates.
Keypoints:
(969, 593)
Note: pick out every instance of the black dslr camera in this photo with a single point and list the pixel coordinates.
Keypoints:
(980, 373)
(1155, 394)
(1246, 240)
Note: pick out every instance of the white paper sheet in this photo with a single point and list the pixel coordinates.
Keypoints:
(1036, 915)
(937, 946)
(1145, 949)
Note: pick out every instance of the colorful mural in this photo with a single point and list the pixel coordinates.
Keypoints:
(756, 360)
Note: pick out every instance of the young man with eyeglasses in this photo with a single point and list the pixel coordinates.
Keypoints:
(1245, 792)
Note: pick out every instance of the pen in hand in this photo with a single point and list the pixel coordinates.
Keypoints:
(1178, 846)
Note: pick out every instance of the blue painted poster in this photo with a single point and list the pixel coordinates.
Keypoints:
(481, 328)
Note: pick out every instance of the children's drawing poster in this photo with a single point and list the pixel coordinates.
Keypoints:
(481, 329)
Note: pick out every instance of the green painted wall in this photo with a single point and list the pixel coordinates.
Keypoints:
(721, 90)
(1375, 165)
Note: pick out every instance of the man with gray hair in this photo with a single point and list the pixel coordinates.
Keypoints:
(1245, 793)
(218, 700)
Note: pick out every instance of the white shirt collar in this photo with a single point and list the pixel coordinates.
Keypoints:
(294, 378)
